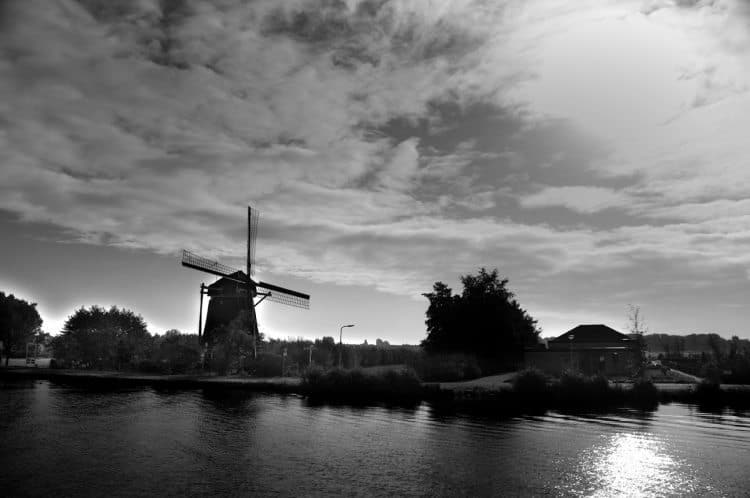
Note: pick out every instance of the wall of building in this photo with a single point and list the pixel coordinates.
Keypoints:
(590, 362)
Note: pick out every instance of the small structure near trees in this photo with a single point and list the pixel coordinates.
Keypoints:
(589, 349)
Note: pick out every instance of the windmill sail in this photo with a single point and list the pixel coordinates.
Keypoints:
(253, 217)
(192, 260)
(227, 298)
(285, 296)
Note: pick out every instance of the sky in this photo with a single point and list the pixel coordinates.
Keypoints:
(594, 152)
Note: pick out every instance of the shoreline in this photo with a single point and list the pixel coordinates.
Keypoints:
(499, 396)
(275, 384)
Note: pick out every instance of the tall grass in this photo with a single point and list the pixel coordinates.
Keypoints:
(357, 386)
(446, 367)
(532, 389)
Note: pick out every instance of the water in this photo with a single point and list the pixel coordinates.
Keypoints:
(64, 440)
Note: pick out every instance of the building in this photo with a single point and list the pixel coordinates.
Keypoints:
(228, 298)
(589, 349)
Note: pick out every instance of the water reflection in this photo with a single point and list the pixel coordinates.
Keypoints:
(632, 464)
(131, 442)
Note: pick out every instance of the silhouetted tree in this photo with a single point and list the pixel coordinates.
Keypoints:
(714, 342)
(19, 322)
(176, 352)
(105, 338)
(734, 347)
(232, 344)
(485, 319)
(637, 327)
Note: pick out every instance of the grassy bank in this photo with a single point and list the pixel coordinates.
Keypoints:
(530, 392)
(113, 379)
(357, 386)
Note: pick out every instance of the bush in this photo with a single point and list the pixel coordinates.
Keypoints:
(711, 373)
(644, 393)
(265, 365)
(708, 393)
(447, 367)
(150, 366)
(355, 385)
(530, 382)
(578, 391)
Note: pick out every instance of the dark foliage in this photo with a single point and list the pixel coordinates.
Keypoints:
(265, 365)
(531, 383)
(232, 346)
(100, 338)
(644, 394)
(484, 320)
(19, 322)
(446, 367)
(578, 391)
(174, 353)
(356, 386)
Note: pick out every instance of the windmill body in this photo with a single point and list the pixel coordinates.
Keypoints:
(236, 291)
(227, 298)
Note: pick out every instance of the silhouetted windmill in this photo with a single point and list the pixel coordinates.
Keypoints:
(237, 290)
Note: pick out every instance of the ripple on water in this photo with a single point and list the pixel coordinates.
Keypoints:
(141, 442)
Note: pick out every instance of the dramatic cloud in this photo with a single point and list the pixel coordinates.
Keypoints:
(389, 143)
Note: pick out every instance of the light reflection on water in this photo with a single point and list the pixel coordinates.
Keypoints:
(142, 442)
(627, 464)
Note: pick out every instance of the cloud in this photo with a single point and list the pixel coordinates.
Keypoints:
(583, 199)
(151, 124)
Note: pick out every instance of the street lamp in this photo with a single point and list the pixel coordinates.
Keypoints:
(570, 339)
(341, 334)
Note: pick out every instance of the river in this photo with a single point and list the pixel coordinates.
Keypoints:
(66, 440)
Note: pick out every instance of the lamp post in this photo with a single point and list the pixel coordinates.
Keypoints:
(341, 334)
(570, 339)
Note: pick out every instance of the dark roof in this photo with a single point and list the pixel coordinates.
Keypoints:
(592, 333)
(238, 275)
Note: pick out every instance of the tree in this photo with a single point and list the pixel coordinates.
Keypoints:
(636, 322)
(637, 327)
(715, 342)
(107, 338)
(485, 319)
(232, 344)
(176, 352)
(19, 322)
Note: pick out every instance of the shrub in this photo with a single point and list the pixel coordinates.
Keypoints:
(355, 385)
(711, 373)
(265, 365)
(577, 391)
(644, 393)
(447, 367)
(150, 366)
(708, 393)
(530, 383)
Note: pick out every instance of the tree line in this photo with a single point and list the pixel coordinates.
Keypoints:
(483, 329)
(483, 325)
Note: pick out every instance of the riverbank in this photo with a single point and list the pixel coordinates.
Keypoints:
(495, 392)
(271, 384)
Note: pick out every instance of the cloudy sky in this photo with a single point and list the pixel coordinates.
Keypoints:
(595, 152)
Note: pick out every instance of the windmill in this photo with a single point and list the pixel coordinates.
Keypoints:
(237, 290)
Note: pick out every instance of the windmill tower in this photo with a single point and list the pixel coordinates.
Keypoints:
(237, 290)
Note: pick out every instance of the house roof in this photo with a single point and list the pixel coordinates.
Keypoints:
(591, 333)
